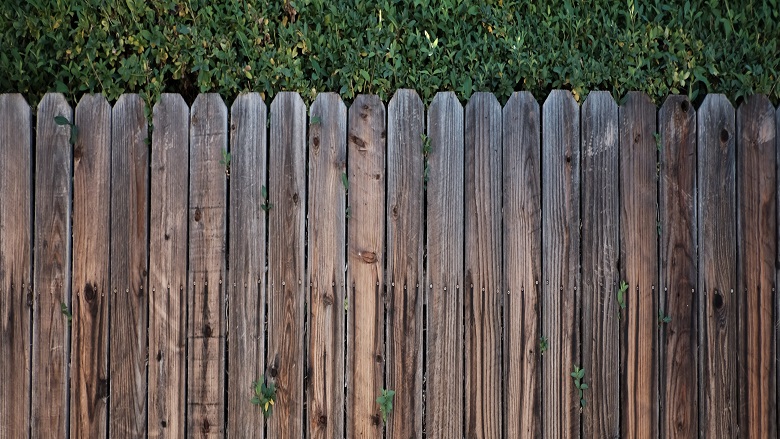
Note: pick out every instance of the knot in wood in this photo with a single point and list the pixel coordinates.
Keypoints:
(368, 257)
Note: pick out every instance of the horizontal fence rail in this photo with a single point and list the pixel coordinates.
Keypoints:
(532, 270)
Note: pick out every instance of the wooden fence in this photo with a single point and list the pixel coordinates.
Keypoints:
(467, 258)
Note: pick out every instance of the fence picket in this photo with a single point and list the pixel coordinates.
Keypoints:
(444, 280)
(561, 300)
(717, 274)
(757, 246)
(328, 184)
(15, 264)
(639, 255)
(365, 266)
(206, 298)
(168, 268)
(246, 276)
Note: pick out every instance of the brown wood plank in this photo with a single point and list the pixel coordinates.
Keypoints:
(444, 273)
(365, 266)
(129, 289)
(677, 225)
(600, 276)
(326, 259)
(15, 264)
(757, 247)
(246, 277)
(560, 263)
(52, 269)
(91, 240)
(718, 269)
(168, 268)
(286, 222)
(522, 265)
(639, 260)
(405, 126)
(206, 298)
(483, 296)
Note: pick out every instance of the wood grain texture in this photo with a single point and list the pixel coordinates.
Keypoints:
(444, 272)
(600, 276)
(405, 125)
(166, 400)
(326, 259)
(560, 263)
(678, 413)
(129, 265)
(15, 264)
(91, 240)
(246, 277)
(207, 258)
(522, 265)
(287, 193)
(757, 247)
(51, 270)
(639, 260)
(483, 295)
(365, 266)
(718, 269)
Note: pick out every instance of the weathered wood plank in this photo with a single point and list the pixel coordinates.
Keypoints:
(206, 298)
(168, 268)
(246, 277)
(600, 276)
(522, 264)
(560, 263)
(718, 273)
(365, 265)
(15, 263)
(483, 296)
(129, 258)
(405, 126)
(444, 274)
(327, 227)
(286, 294)
(639, 256)
(52, 269)
(91, 240)
(757, 246)
(677, 225)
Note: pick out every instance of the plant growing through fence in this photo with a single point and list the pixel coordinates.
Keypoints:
(621, 294)
(426, 151)
(543, 344)
(74, 130)
(662, 318)
(315, 120)
(266, 206)
(578, 374)
(66, 312)
(265, 395)
(385, 401)
(226, 162)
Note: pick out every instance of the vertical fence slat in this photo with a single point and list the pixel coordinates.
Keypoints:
(287, 192)
(560, 262)
(168, 268)
(365, 265)
(757, 246)
(246, 277)
(129, 289)
(15, 263)
(52, 270)
(444, 356)
(639, 257)
(405, 126)
(206, 302)
(679, 411)
(483, 295)
(522, 264)
(91, 239)
(717, 274)
(600, 252)
(327, 220)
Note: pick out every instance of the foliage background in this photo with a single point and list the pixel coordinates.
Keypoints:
(378, 46)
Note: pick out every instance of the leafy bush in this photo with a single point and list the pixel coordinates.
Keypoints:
(377, 46)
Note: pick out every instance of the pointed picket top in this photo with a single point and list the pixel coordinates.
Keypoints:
(640, 96)
(168, 101)
(523, 100)
(212, 102)
(326, 100)
(96, 100)
(597, 99)
(484, 98)
(559, 97)
(287, 98)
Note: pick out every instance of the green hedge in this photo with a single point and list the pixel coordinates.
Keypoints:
(377, 46)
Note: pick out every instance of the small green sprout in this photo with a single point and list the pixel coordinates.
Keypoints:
(74, 130)
(657, 141)
(266, 206)
(226, 162)
(385, 401)
(66, 312)
(316, 120)
(265, 395)
(621, 294)
(578, 374)
(543, 344)
(662, 318)
(345, 181)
